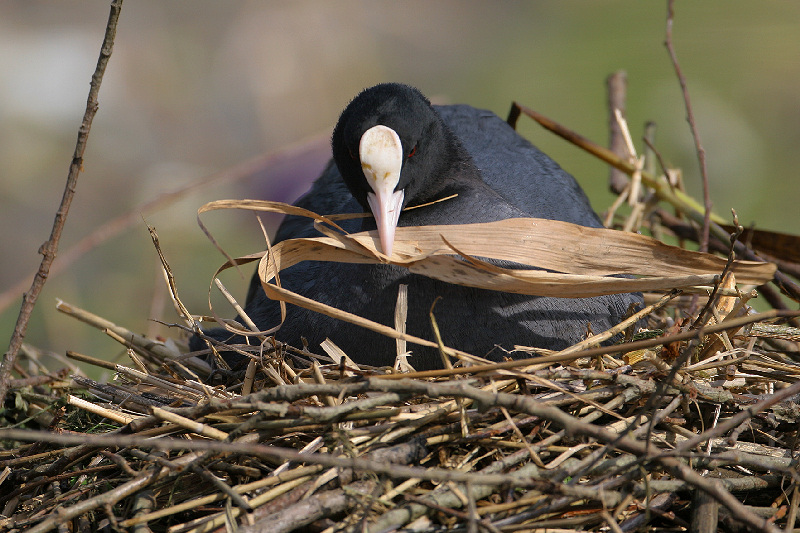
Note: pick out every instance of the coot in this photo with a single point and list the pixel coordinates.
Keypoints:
(392, 149)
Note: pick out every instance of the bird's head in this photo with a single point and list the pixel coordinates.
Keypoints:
(390, 147)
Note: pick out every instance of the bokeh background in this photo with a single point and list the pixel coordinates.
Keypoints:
(195, 88)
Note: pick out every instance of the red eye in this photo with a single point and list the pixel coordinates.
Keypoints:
(413, 151)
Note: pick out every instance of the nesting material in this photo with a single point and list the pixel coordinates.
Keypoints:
(570, 441)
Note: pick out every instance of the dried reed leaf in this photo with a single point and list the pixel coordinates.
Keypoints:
(583, 258)
(548, 244)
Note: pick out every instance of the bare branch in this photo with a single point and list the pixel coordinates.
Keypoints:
(701, 152)
(50, 248)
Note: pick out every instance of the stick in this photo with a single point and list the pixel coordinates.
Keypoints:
(701, 152)
(50, 248)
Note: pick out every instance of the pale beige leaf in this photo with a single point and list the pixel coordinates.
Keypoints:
(582, 258)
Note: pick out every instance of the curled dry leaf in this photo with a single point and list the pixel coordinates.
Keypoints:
(578, 260)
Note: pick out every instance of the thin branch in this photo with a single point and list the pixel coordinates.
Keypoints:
(701, 152)
(616, 87)
(50, 248)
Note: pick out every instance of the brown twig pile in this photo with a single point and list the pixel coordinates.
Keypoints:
(698, 425)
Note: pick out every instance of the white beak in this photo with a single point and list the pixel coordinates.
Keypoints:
(381, 154)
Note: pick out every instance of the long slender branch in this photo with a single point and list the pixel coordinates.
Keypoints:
(50, 248)
(701, 152)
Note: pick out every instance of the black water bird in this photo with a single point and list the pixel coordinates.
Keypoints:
(392, 149)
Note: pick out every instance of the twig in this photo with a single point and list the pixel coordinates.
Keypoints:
(712, 299)
(701, 152)
(793, 506)
(50, 248)
(616, 84)
(139, 343)
(282, 454)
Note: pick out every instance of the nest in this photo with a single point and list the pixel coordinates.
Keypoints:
(684, 425)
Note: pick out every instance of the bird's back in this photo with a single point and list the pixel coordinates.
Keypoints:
(518, 171)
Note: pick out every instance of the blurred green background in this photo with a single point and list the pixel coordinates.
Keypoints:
(196, 87)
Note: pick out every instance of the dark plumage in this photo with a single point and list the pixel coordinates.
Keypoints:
(442, 150)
